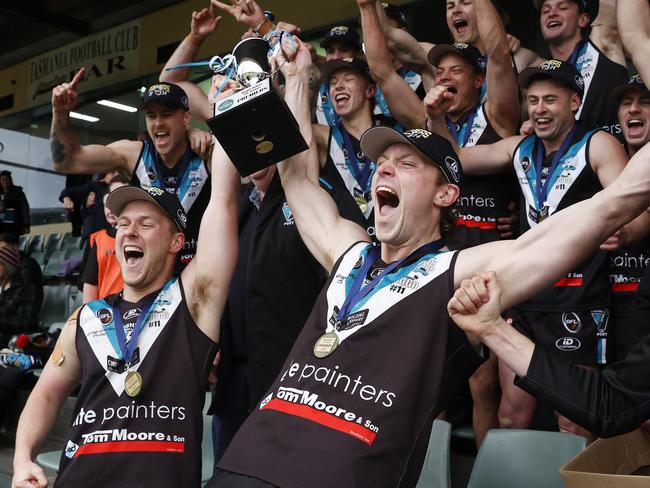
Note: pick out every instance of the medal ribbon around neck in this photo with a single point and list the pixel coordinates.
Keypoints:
(466, 128)
(363, 176)
(127, 349)
(356, 293)
(541, 191)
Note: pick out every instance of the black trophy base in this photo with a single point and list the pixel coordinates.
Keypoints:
(256, 128)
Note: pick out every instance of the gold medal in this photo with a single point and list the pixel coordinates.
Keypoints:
(326, 344)
(133, 383)
(362, 203)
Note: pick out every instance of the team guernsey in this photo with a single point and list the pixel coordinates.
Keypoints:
(601, 75)
(360, 414)
(189, 180)
(573, 315)
(483, 199)
(122, 438)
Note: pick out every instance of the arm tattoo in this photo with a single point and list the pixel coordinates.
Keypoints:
(56, 148)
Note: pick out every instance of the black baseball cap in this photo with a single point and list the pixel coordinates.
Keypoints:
(168, 94)
(470, 53)
(634, 83)
(343, 34)
(330, 67)
(439, 150)
(561, 71)
(591, 7)
(168, 203)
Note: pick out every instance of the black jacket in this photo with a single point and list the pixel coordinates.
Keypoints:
(16, 211)
(282, 281)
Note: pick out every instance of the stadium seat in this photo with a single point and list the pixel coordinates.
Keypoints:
(52, 244)
(70, 242)
(436, 468)
(77, 301)
(55, 305)
(23, 242)
(39, 257)
(54, 263)
(511, 458)
(36, 244)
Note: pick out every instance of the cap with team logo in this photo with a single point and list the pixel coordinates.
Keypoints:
(590, 7)
(330, 67)
(561, 71)
(634, 83)
(168, 203)
(343, 34)
(168, 94)
(467, 51)
(439, 150)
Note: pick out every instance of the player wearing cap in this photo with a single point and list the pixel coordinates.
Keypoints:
(165, 160)
(585, 36)
(560, 165)
(142, 356)
(628, 265)
(485, 201)
(374, 364)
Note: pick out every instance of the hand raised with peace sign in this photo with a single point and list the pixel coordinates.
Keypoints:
(64, 96)
(204, 22)
(246, 12)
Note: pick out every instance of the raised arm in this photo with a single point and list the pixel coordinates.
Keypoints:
(207, 278)
(204, 22)
(402, 101)
(68, 155)
(610, 403)
(325, 233)
(502, 104)
(565, 239)
(407, 49)
(60, 376)
(635, 16)
(605, 33)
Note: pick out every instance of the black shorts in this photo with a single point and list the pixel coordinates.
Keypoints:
(580, 337)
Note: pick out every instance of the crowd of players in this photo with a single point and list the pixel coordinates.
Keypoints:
(335, 354)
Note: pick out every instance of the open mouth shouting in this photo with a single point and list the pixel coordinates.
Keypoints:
(460, 26)
(133, 255)
(636, 126)
(542, 123)
(161, 137)
(341, 99)
(387, 200)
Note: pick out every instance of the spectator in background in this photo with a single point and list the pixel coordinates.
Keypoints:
(20, 297)
(102, 275)
(14, 207)
(74, 214)
(91, 196)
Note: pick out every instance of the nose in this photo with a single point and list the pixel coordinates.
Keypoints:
(635, 108)
(386, 168)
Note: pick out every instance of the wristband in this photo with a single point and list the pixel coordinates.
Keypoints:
(264, 27)
(192, 39)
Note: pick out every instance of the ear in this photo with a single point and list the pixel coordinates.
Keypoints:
(583, 20)
(478, 81)
(447, 195)
(177, 243)
(187, 117)
(575, 102)
(370, 91)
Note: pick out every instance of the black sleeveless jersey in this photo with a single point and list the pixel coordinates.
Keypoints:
(574, 180)
(153, 439)
(483, 199)
(193, 190)
(601, 75)
(361, 416)
(626, 269)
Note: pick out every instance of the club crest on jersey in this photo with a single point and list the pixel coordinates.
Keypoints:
(571, 322)
(105, 316)
(151, 174)
(288, 214)
(525, 164)
(601, 318)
